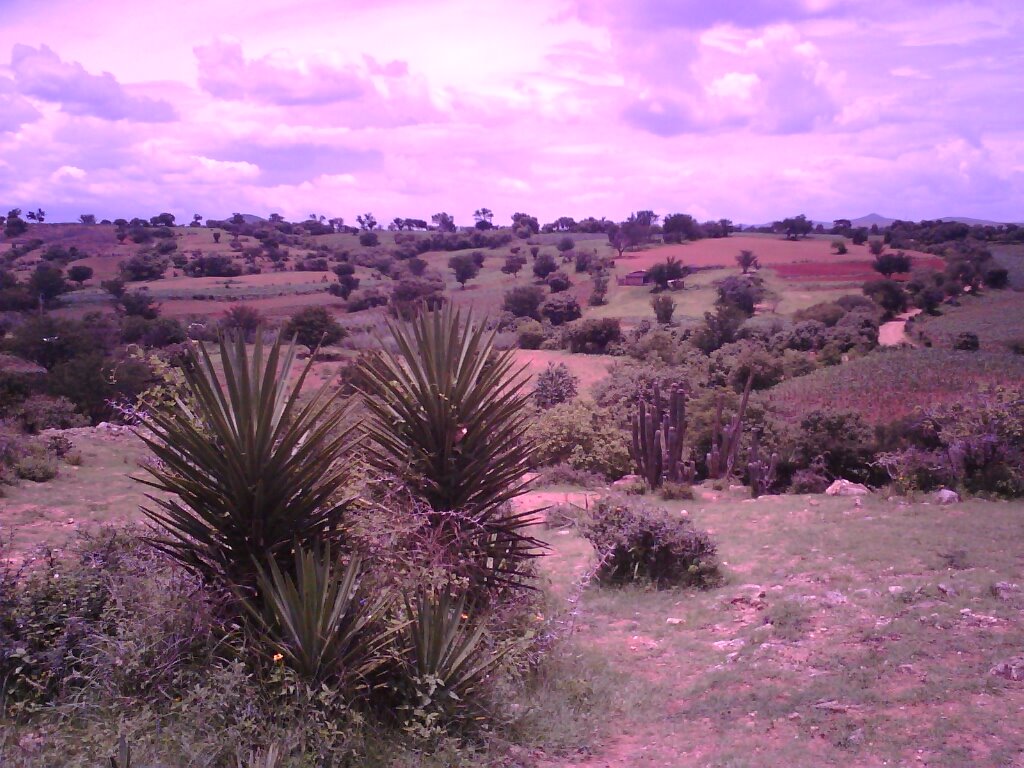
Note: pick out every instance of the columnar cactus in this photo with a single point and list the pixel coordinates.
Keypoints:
(725, 439)
(762, 475)
(658, 433)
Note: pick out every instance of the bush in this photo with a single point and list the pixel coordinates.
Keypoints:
(530, 335)
(593, 336)
(40, 412)
(561, 308)
(145, 265)
(840, 440)
(664, 306)
(313, 327)
(584, 436)
(559, 281)
(37, 466)
(671, 491)
(544, 265)
(369, 239)
(554, 385)
(888, 294)
(967, 342)
(809, 481)
(524, 301)
(638, 542)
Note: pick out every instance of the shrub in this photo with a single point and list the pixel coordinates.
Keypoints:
(888, 294)
(584, 436)
(554, 385)
(967, 342)
(840, 439)
(826, 312)
(561, 308)
(145, 265)
(559, 281)
(742, 292)
(213, 265)
(664, 306)
(39, 412)
(314, 327)
(566, 474)
(369, 239)
(638, 542)
(413, 294)
(809, 481)
(593, 336)
(524, 301)
(36, 466)
(671, 491)
(530, 335)
(544, 265)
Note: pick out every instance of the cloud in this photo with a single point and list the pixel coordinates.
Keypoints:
(293, 163)
(15, 110)
(40, 73)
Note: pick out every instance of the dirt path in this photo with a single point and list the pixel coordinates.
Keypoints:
(894, 333)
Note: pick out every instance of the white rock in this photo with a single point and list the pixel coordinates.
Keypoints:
(946, 496)
(846, 488)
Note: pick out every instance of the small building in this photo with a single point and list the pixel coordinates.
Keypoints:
(636, 277)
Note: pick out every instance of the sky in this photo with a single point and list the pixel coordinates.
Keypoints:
(751, 110)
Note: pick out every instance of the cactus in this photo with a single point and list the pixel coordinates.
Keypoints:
(725, 440)
(658, 434)
(762, 475)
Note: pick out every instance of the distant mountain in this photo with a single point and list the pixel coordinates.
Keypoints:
(871, 219)
(884, 221)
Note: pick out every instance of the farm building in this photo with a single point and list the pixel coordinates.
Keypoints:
(636, 277)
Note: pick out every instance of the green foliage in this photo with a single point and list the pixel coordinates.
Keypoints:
(543, 265)
(318, 622)
(592, 336)
(445, 662)
(583, 436)
(841, 440)
(640, 542)
(447, 416)
(665, 273)
(144, 265)
(39, 412)
(251, 472)
(888, 294)
(559, 281)
(664, 306)
(524, 301)
(554, 385)
(530, 335)
(464, 266)
(314, 327)
(967, 342)
(561, 308)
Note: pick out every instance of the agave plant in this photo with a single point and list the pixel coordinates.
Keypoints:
(445, 658)
(317, 620)
(448, 417)
(248, 471)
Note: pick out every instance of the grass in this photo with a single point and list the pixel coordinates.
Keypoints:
(890, 383)
(997, 317)
(807, 657)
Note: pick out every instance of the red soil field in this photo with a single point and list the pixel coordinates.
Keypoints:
(842, 271)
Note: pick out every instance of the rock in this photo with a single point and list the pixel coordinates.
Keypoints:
(1011, 670)
(846, 488)
(673, 621)
(1004, 590)
(627, 480)
(729, 645)
(835, 598)
(946, 496)
(896, 590)
(947, 590)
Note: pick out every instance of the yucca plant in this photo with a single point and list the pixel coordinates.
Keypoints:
(448, 417)
(249, 471)
(318, 622)
(445, 659)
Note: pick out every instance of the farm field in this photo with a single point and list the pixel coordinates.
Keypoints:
(997, 318)
(888, 384)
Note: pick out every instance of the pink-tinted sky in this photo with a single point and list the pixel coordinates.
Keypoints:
(747, 109)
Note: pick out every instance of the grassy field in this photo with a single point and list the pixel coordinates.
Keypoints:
(996, 317)
(845, 632)
(888, 384)
(846, 635)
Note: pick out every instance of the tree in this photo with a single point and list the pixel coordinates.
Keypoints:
(524, 301)
(144, 265)
(747, 261)
(443, 221)
(513, 264)
(483, 218)
(664, 274)
(79, 273)
(554, 385)
(524, 225)
(680, 226)
(664, 306)
(859, 236)
(14, 225)
(38, 215)
(565, 245)
(367, 221)
(369, 239)
(47, 283)
(559, 281)
(743, 293)
(544, 265)
(87, 218)
(465, 268)
(561, 308)
(412, 294)
(839, 246)
(163, 220)
(889, 264)
(888, 294)
(139, 304)
(197, 220)
(795, 227)
(876, 247)
(313, 327)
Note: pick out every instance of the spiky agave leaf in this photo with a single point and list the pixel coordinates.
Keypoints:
(318, 621)
(445, 657)
(249, 470)
(448, 416)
